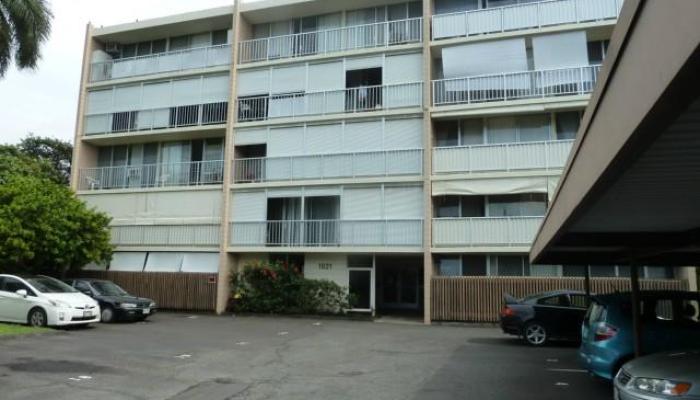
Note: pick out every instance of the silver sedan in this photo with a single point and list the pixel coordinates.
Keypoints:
(662, 376)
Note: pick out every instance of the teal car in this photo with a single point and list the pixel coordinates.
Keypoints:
(670, 321)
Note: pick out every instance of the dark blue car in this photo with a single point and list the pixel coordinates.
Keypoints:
(670, 321)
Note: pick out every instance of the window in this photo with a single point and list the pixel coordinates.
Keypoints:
(124, 121)
(561, 300)
(219, 37)
(597, 51)
(472, 206)
(659, 272)
(83, 287)
(449, 266)
(567, 124)
(578, 301)
(511, 266)
(447, 207)
(473, 265)
(128, 50)
(12, 285)
(603, 271)
(159, 46)
(574, 270)
(533, 128)
(471, 132)
(143, 49)
(518, 205)
(446, 133)
(664, 310)
(360, 261)
(179, 43)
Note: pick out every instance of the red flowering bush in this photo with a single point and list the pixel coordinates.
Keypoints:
(271, 287)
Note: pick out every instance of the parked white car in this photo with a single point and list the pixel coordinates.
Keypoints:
(44, 301)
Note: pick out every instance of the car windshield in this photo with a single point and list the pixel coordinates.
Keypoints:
(44, 284)
(108, 289)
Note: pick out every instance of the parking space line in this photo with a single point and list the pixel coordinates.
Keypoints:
(581, 371)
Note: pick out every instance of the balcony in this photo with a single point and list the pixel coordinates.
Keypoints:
(515, 86)
(523, 16)
(329, 166)
(485, 231)
(152, 175)
(328, 233)
(197, 235)
(545, 155)
(381, 34)
(174, 61)
(352, 100)
(155, 119)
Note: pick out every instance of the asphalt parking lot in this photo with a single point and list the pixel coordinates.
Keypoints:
(179, 356)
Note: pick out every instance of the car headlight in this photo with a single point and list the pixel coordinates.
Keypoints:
(128, 305)
(59, 303)
(661, 386)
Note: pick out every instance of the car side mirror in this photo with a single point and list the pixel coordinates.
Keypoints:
(21, 292)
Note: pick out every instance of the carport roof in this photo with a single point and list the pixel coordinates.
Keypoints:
(630, 193)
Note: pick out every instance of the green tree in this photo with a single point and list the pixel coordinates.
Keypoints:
(56, 152)
(14, 162)
(45, 229)
(24, 26)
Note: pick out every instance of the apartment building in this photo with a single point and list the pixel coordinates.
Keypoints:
(377, 144)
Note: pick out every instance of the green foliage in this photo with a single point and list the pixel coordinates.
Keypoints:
(279, 288)
(24, 26)
(44, 228)
(14, 162)
(57, 153)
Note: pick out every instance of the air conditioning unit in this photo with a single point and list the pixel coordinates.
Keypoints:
(113, 48)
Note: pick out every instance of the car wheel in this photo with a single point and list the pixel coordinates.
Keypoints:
(107, 315)
(37, 318)
(535, 334)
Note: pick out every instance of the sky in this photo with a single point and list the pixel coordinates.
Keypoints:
(44, 101)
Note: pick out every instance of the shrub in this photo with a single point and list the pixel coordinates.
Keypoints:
(270, 287)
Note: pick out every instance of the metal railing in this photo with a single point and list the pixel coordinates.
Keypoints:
(329, 166)
(327, 233)
(523, 16)
(166, 235)
(351, 100)
(515, 85)
(199, 57)
(380, 34)
(152, 175)
(159, 118)
(485, 231)
(545, 155)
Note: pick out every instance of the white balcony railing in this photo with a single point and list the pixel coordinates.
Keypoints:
(152, 175)
(166, 235)
(200, 57)
(515, 85)
(380, 34)
(352, 100)
(329, 166)
(159, 118)
(502, 157)
(523, 16)
(485, 231)
(327, 233)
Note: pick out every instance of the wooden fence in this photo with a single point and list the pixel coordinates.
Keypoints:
(172, 291)
(479, 299)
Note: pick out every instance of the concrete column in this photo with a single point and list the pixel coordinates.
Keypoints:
(427, 164)
(226, 261)
(79, 150)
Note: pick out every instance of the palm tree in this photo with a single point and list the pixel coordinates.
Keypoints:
(24, 26)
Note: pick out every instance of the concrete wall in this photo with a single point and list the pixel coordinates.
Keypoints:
(332, 267)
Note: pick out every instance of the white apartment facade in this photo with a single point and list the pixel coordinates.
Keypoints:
(373, 143)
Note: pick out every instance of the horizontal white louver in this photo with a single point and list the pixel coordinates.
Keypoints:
(156, 95)
(255, 82)
(288, 79)
(403, 68)
(403, 133)
(164, 262)
(363, 136)
(187, 92)
(200, 262)
(127, 261)
(250, 136)
(362, 63)
(127, 98)
(484, 58)
(560, 50)
(361, 203)
(326, 76)
(215, 89)
(287, 141)
(99, 101)
(324, 139)
(403, 202)
(248, 206)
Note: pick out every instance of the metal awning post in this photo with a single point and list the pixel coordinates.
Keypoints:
(636, 311)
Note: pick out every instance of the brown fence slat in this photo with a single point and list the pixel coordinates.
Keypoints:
(172, 291)
(479, 298)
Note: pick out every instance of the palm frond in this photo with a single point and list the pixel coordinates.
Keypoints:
(28, 24)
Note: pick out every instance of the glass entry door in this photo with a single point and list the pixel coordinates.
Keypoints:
(360, 288)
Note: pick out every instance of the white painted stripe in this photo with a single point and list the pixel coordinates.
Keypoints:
(583, 371)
